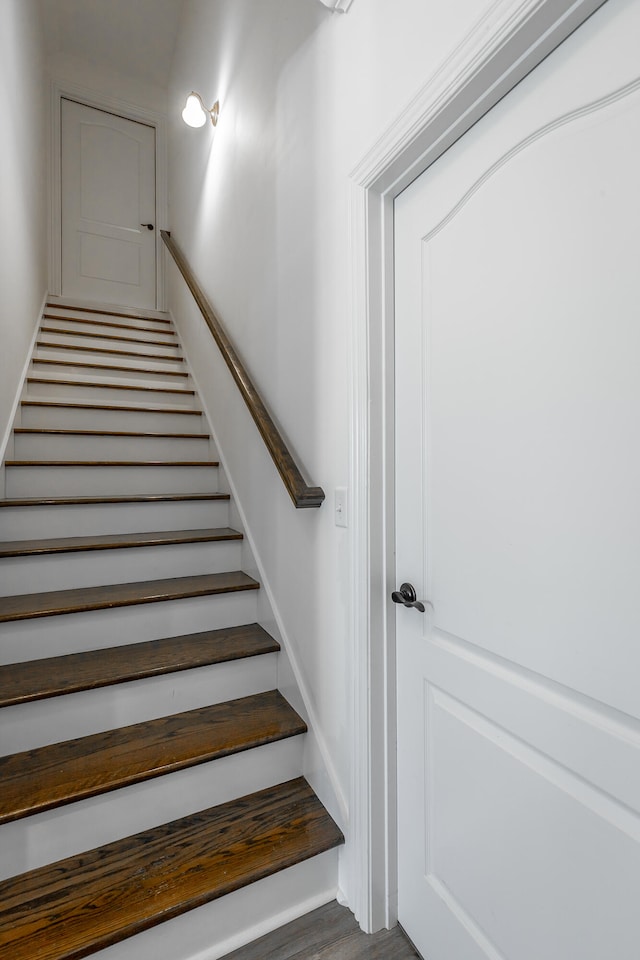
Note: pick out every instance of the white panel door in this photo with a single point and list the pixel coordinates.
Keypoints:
(108, 199)
(518, 519)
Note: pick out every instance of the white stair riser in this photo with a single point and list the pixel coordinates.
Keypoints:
(95, 321)
(81, 418)
(154, 375)
(31, 725)
(75, 390)
(60, 446)
(142, 358)
(93, 568)
(69, 481)
(55, 834)
(215, 929)
(39, 637)
(31, 523)
(66, 338)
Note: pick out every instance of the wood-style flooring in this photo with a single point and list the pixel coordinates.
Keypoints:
(329, 933)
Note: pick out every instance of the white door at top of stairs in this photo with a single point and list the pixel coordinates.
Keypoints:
(518, 519)
(108, 187)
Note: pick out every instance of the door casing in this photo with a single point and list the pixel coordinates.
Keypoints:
(510, 39)
(63, 89)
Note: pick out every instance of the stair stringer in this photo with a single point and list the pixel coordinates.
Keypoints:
(318, 767)
(6, 444)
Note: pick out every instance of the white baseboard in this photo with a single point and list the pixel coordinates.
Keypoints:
(11, 423)
(274, 922)
(325, 782)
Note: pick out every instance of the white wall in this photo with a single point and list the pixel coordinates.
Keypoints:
(261, 209)
(119, 48)
(103, 79)
(23, 231)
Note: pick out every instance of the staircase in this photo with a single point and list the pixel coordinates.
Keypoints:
(148, 764)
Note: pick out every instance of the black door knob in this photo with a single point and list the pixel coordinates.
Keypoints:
(406, 595)
(149, 226)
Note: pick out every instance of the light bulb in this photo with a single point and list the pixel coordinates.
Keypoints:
(194, 114)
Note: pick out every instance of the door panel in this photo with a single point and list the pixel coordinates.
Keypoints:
(108, 192)
(518, 403)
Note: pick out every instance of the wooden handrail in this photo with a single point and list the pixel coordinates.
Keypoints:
(300, 492)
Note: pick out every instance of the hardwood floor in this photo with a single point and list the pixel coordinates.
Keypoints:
(329, 933)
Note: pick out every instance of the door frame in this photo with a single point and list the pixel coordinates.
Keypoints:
(63, 89)
(511, 38)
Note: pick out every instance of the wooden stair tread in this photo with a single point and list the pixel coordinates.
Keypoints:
(74, 364)
(93, 322)
(108, 313)
(84, 903)
(55, 676)
(76, 432)
(82, 348)
(61, 773)
(58, 331)
(56, 602)
(111, 463)
(115, 541)
(94, 501)
(110, 386)
(129, 408)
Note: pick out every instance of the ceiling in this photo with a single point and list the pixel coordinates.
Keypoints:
(134, 37)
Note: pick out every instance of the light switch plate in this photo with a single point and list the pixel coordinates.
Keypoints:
(340, 507)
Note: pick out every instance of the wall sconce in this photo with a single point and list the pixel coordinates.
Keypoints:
(195, 113)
